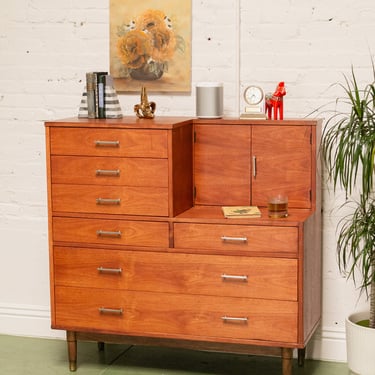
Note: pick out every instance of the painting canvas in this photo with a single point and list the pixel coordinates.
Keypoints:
(150, 45)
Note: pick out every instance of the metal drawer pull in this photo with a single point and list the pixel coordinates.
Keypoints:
(107, 143)
(234, 277)
(234, 319)
(254, 166)
(235, 239)
(104, 310)
(109, 201)
(107, 233)
(109, 270)
(108, 172)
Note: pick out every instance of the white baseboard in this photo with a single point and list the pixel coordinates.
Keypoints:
(328, 344)
(34, 321)
(26, 320)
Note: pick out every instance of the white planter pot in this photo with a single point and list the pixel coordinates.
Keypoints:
(360, 344)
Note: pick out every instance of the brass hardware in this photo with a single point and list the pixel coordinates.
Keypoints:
(109, 270)
(108, 172)
(104, 310)
(234, 277)
(107, 143)
(233, 239)
(254, 166)
(234, 319)
(145, 109)
(107, 233)
(109, 201)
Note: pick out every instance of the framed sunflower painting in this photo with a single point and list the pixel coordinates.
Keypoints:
(150, 45)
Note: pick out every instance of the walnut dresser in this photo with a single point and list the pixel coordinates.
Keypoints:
(140, 251)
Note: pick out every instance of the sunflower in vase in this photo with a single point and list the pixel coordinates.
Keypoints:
(147, 44)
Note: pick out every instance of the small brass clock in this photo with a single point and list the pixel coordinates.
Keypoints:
(254, 99)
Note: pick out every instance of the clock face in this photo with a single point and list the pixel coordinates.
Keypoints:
(253, 95)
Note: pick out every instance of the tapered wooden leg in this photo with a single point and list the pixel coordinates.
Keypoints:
(71, 339)
(301, 357)
(100, 346)
(287, 355)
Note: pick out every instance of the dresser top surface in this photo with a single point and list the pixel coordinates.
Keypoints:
(238, 121)
(214, 215)
(171, 122)
(125, 122)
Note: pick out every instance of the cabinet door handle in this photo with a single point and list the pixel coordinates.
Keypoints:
(254, 166)
(234, 277)
(234, 319)
(109, 201)
(109, 270)
(107, 233)
(234, 239)
(108, 172)
(107, 143)
(105, 310)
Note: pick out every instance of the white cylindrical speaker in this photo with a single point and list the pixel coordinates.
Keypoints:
(209, 100)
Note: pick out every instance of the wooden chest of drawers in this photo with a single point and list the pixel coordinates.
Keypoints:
(139, 247)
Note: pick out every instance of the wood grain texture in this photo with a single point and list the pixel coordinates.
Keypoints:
(119, 232)
(87, 170)
(179, 316)
(251, 238)
(151, 201)
(178, 273)
(222, 165)
(283, 164)
(166, 266)
(131, 142)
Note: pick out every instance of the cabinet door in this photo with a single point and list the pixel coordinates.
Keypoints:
(221, 165)
(282, 163)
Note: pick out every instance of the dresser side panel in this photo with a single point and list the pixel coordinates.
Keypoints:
(50, 228)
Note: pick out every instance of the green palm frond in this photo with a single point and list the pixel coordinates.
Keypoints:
(348, 152)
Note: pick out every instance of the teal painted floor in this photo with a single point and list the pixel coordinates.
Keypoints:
(30, 356)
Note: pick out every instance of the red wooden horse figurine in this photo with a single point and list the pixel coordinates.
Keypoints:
(275, 102)
(268, 105)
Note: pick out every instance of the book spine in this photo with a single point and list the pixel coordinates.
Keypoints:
(96, 95)
(90, 88)
(101, 94)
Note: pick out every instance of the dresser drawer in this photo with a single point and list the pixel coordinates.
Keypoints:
(263, 278)
(109, 142)
(175, 315)
(109, 171)
(110, 199)
(236, 237)
(118, 232)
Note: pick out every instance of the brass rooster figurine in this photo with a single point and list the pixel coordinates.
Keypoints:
(145, 109)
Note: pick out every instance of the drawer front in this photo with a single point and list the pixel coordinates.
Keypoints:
(236, 237)
(118, 232)
(110, 199)
(176, 315)
(109, 142)
(109, 171)
(177, 273)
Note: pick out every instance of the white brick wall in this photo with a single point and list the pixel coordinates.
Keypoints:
(46, 46)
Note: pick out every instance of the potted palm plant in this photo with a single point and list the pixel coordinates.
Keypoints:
(348, 152)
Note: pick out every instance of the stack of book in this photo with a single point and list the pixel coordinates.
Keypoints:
(100, 98)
